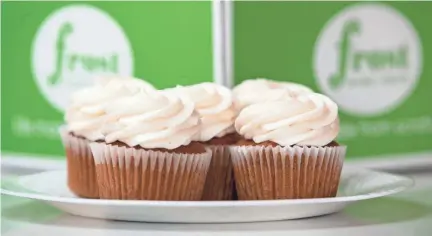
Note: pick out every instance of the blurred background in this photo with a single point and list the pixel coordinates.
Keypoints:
(371, 58)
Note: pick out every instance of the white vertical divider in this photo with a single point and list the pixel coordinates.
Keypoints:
(218, 42)
(222, 42)
(228, 27)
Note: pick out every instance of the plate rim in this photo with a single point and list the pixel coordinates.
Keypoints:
(409, 182)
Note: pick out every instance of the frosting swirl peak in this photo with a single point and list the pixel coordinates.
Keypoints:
(157, 119)
(309, 119)
(215, 105)
(261, 90)
(86, 113)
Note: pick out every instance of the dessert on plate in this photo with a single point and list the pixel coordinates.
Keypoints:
(276, 140)
(215, 105)
(288, 150)
(84, 118)
(150, 150)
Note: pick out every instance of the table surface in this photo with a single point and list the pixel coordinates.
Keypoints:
(407, 213)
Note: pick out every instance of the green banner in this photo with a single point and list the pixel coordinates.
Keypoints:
(50, 49)
(369, 57)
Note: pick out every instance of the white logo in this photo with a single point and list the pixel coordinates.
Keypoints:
(73, 45)
(368, 58)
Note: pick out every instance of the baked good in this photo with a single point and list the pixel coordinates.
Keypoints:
(289, 149)
(84, 118)
(215, 105)
(149, 151)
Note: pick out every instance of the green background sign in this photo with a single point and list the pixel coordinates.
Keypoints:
(50, 49)
(370, 58)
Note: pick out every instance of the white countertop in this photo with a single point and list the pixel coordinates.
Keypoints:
(408, 213)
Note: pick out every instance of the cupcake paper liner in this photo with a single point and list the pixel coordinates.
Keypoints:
(219, 184)
(139, 174)
(81, 172)
(264, 172)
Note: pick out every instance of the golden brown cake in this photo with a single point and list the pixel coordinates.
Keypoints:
(150, 151)
(81, 173)
(151, 174)
(84, 118)
(215, 105)
(288, 150)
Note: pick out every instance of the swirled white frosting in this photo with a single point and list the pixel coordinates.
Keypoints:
(85, 115)
(261, 90)
(309, 119)
(157, 119)
(215, 105)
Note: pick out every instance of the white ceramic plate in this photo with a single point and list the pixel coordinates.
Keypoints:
(356, 185)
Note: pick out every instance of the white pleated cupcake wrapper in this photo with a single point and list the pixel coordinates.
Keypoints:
(79, 146)
(265, 172)
(130, 173)
(220, 180)
(80, 165)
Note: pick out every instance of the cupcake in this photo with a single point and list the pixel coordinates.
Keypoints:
(83, 122)
(289, 149)
(149, 151)
(214, 104)
(260, 90)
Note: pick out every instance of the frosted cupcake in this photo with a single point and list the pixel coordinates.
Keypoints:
(289, 149)
(149, 151)
(261, 90)
(214, 103)
(84, 118)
